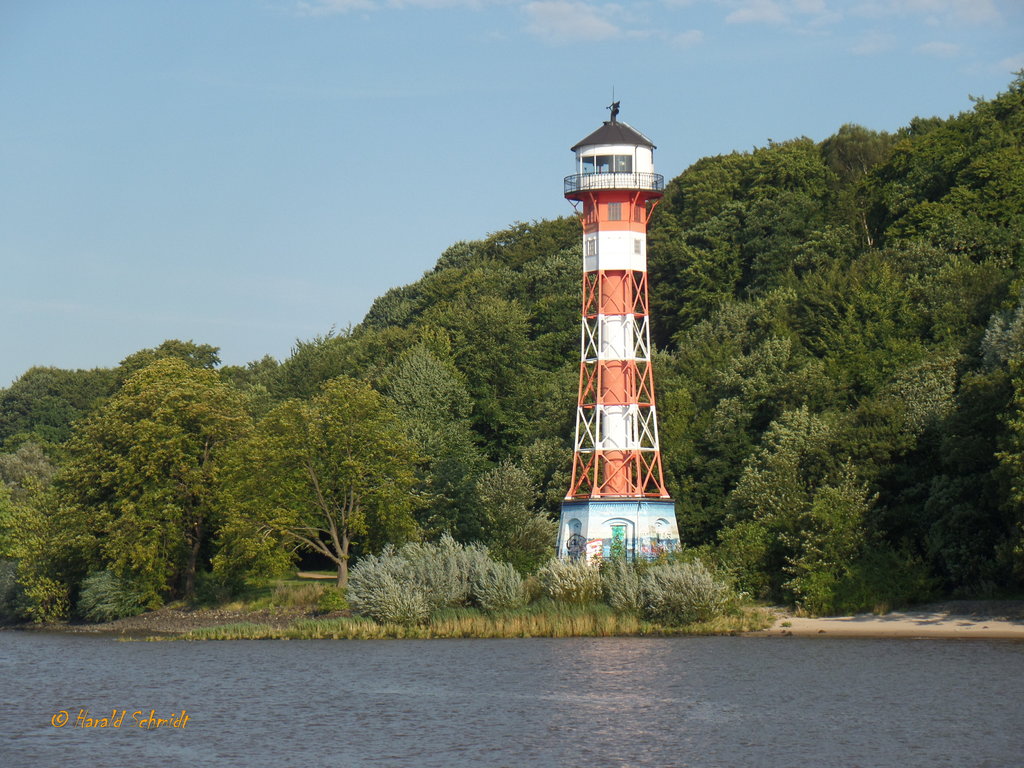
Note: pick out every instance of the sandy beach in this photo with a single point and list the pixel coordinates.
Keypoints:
(955, 619)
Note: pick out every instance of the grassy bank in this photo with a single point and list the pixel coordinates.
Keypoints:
(308, 607)
(300, 591)
(539, 620)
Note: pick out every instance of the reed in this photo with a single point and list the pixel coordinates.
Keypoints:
(239, 631)
(281, 593)
(543, 619)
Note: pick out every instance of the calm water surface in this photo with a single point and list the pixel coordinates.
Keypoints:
(716, 701)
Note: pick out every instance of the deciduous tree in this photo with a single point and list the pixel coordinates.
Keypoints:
(144, 470)
(319, 476)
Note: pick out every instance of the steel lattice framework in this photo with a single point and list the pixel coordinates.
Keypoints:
(616, 451)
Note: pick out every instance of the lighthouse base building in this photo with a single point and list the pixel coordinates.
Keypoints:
(602, 529)
(617, 505)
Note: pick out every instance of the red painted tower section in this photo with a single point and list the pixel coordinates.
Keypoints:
(616, 452)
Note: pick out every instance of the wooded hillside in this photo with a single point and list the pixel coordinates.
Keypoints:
(840, 382)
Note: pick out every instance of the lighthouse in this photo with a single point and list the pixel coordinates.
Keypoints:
(617, 505)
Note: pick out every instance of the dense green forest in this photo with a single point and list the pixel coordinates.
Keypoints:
(840, 374)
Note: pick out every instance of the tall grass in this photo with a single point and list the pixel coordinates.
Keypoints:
(544, 619)
(285, 593)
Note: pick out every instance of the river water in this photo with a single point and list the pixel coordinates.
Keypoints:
(582, 702)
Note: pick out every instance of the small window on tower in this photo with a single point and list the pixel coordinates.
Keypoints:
(636, 246)
(638, 212)
(614, 211)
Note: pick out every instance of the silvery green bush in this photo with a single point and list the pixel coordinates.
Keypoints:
(681, 593)
(445, 569)
(407, 585)
(383, 588)
(621, 582)
(570, 581)
(499, 587)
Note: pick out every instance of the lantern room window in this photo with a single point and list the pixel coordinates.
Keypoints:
(608, 164)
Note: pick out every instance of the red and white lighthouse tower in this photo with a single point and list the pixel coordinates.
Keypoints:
(617, 504)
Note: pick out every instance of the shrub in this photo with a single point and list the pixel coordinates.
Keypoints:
(331, 599)
(11, 593)
(532, 588)
(814, 591)
(288, 594)
(445, 569)
(681, 593)
(621, 582)
(382, 587)
(881, 577)
(394, 586)
(570, 581)
(105, 597)
(211, 589)
(746, 550)
(46, 599)
(499, 587)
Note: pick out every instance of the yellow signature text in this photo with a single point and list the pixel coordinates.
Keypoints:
(119, 717)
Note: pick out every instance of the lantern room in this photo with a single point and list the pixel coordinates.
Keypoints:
(615, 156)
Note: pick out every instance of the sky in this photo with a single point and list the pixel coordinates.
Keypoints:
(248, 173)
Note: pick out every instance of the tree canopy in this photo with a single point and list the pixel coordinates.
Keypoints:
(143, 472)
(319, 475)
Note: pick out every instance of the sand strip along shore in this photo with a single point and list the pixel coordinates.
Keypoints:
(999, 621)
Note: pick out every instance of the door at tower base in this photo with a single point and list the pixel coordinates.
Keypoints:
(602, 529)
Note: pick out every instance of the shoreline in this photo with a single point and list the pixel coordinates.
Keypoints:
(990, 620)
(170, 621)
(984, 620)
(593, 620)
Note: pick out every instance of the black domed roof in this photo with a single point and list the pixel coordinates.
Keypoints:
(615, 132)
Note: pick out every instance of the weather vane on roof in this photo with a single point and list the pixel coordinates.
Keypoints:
(614, 107)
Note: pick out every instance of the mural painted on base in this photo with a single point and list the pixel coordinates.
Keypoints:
(630, 529)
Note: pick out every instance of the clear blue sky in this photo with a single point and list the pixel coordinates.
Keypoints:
(244, 173)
